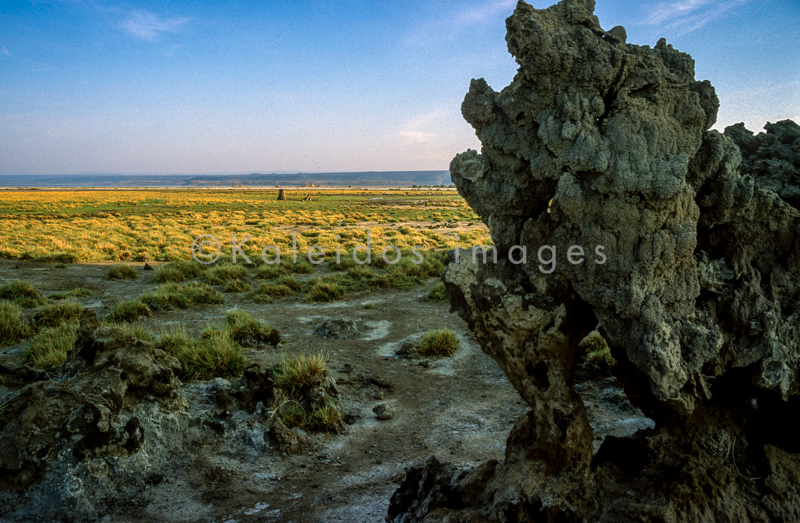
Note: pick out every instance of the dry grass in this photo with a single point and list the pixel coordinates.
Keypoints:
(301, 371)
(78, 292)
(129, 311)
(122, 272)
(439, 343)
(52, 315)
(323, 291)
(437, 293)
(181, 296)
(275, 290)
(178, 272)
(12, 327)
(49, 347)
(248, 331)
(225, 273)
(23, 293)
(215, 354)
(64, 226)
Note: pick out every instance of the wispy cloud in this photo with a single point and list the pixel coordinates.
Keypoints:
(148, 26)
(457, 22)
(422, 128)
(4, 51)
(689, 15)
(486, 12)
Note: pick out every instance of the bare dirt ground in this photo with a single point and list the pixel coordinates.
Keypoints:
(459, 409)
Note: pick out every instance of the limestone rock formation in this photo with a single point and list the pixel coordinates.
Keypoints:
(87, 412)
(771, 158)
(612, 205)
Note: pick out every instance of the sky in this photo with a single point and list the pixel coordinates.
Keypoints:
(169, 87)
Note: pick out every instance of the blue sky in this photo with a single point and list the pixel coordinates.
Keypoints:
(89, 86)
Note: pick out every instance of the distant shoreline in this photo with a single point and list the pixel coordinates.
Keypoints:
(223, 188)
(338, 180)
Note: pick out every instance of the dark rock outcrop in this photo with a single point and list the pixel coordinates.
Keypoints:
(771, 158)
(613, 206)
(337, 330)
(87, 412)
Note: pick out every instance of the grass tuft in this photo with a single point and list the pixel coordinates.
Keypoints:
(323, 291)
(236, 286)
(176, 296)
(437, 293)
(301, 371)
(178, 272)
(122, 272)
(248, 331)
(49, 347)
(78, 292)
(222, 274)
(595, 355)
(54, 314)
(270, 272)
(439, 343)
(129, 311)
(12, 327)
(174, 340)
(215, 355)
(274, 289)
(22, 293)
(324, 418)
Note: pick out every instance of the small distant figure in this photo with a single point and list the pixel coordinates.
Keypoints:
(281, 194)
(306, 199)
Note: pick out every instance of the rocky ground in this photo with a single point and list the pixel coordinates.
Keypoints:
(207, 455)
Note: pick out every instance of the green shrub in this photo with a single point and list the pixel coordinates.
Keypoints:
(595, 356)
(215, 355)
(129, 311)
(221, 274)
(236, 286)
(50, 258)
(78, 292)
(248, 331)
(181, 296)
(262, 298)
(275, 289)
(122, 272)
(48, 348)
(269, 272)
(12, 327)
(174, 340)
(437, 293)
(301, 267)
(323, 291)
(22, 293)
(55, 314)
(439, 343)
(364, 275)
(345, 263)
(290, 282)
(138, 331)
(324, 418)
(178, 272)
(293, 415)
(300, 371)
